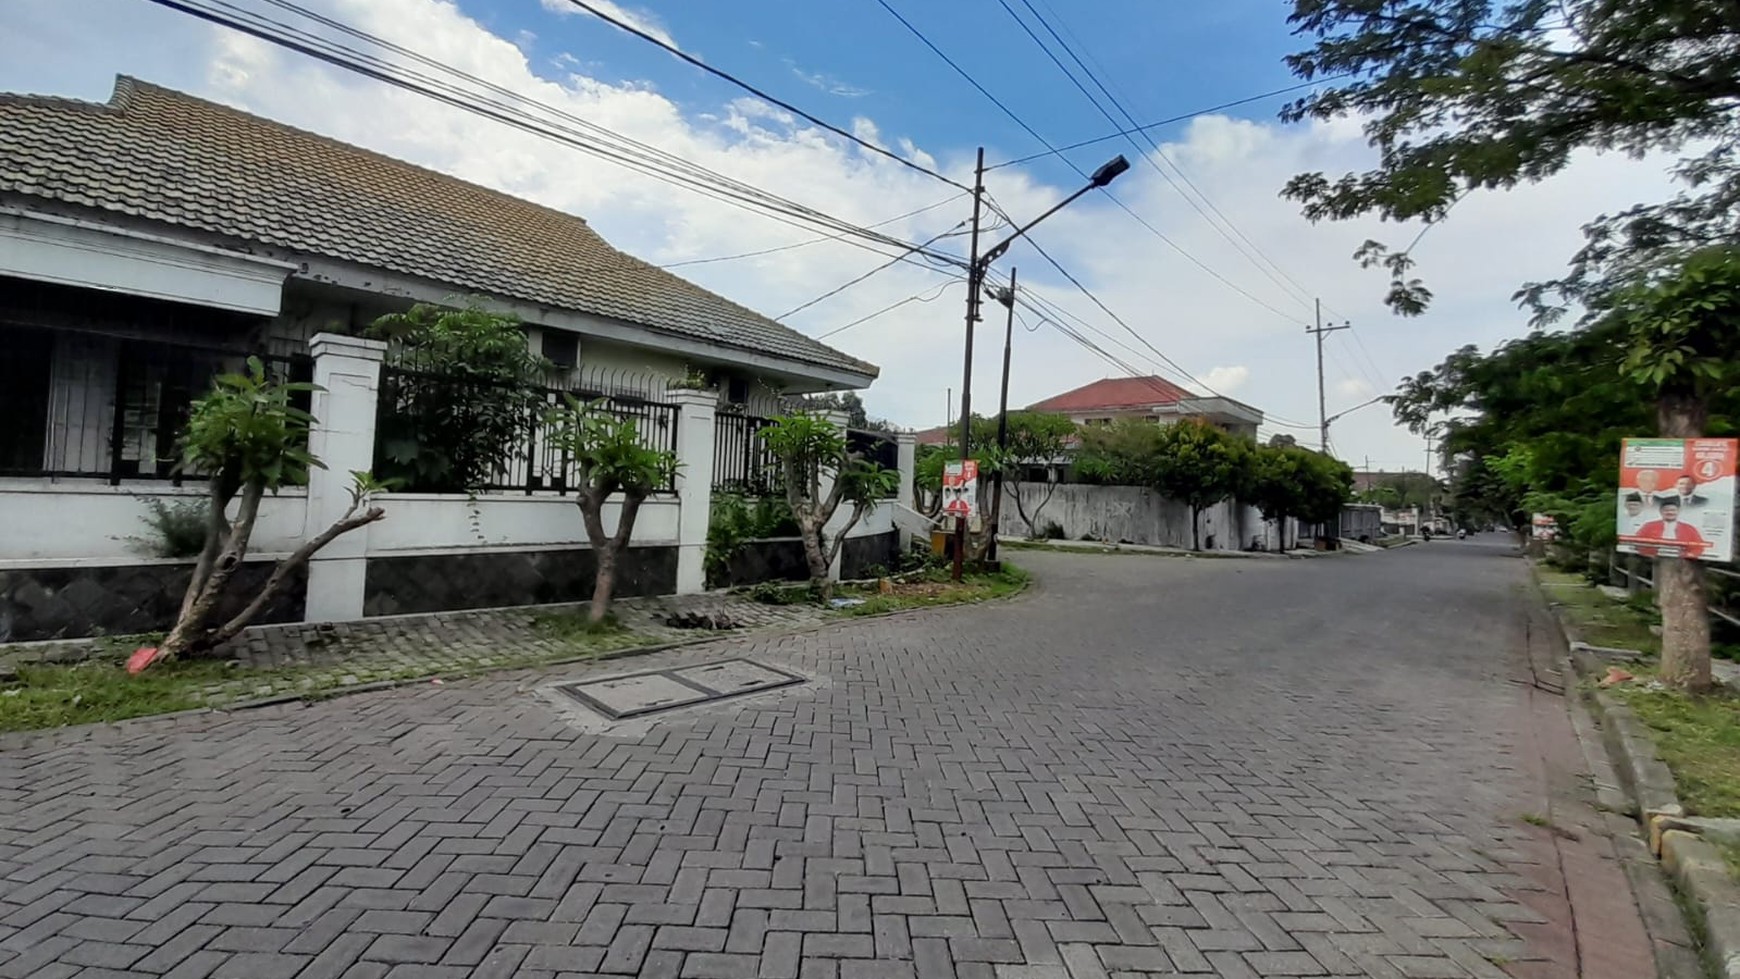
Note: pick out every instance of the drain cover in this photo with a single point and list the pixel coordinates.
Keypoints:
(661, 690)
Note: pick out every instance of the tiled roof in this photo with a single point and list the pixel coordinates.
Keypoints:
(1115, 393)
(166, 156)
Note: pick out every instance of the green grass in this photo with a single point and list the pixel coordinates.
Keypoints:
(1599, 620)
(1698, 738)
(101, 690)
(935, 588)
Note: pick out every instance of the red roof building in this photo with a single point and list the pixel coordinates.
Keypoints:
(1109, 399)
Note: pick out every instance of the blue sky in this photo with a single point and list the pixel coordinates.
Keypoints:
(1225, 321)
(1193, 56)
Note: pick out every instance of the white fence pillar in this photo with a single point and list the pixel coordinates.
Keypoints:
(838, 522)
(906, 449)
(347, 371)
(696, 412)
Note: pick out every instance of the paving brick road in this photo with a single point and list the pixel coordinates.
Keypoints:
(1148, 766)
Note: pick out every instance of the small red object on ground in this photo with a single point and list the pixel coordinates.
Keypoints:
(1615, 676)
(142, 657)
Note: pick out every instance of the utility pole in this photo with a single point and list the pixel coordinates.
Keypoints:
(1322, 400)
(975, 281)
(1431, 480)
(1008, 300)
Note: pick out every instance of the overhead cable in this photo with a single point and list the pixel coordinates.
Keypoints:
(758, 93)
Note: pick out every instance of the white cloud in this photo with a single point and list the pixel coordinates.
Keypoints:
(641, 20)
(1353, 387)
(1226, 380)
(829, 84)
(1491, 243)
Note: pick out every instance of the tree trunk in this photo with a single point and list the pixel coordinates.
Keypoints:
(1195, 529)
(603, 584)
(193, 633)
(1684, 598)
(815, 557)
(1685, 624)
(217, 528)
(1032, 520)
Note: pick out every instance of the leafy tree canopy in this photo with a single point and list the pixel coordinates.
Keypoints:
(1467, 95)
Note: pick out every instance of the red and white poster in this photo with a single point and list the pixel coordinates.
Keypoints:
(1676, 498)
(961, 488)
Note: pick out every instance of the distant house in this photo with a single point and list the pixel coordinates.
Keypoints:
(1111, 399)
(1150, 398)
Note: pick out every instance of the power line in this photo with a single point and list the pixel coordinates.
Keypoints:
(808, 241)
(914, 298)
(1120, 134)
(1299, 293)
(1084, 290)
(758, 93)
(1016, 118)
(849, 284)
(593, 139)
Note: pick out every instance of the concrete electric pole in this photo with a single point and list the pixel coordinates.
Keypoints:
(1322, 399)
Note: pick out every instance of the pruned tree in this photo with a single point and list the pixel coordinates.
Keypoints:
(1275, 484)
(1036, 440)
(1199, 465)
(819, 474)
(611, 460)
(248, 438)
(1683, 328)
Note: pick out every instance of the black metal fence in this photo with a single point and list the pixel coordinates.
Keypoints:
(877, 447)
(100, 406)
(1637, 573)
(741, 461)
(443, 433)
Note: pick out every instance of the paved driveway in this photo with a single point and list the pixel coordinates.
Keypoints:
(1149, 765)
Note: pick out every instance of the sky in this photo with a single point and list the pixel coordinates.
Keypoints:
(1193, 248)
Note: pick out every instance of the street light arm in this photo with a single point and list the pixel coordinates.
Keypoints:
(1355, 408)
(1103, 176)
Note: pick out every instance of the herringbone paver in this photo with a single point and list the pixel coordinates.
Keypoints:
(1147, 767)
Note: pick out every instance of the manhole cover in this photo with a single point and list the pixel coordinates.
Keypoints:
(734, 676)
(661, 690)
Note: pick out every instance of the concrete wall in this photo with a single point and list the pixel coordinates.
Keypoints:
(1134, 515)
(85, 522)
(427, 523)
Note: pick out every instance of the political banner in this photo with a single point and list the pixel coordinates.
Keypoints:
(1676, 498)
(961, 488)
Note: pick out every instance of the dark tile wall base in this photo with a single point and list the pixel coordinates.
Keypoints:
(445, 582)
(75, 603)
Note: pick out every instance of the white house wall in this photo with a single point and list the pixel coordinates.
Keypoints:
(69, 523)
(428, 524)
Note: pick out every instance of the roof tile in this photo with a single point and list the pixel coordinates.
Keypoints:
(1116, 393)
(167, 156)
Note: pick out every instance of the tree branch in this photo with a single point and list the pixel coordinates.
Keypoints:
(281, 574)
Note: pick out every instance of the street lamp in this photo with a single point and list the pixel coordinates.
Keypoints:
(1363, 404)
(976, 269)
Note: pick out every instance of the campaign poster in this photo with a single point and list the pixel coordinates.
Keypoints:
(960, 488)
(1676, 498)
(1544, 527)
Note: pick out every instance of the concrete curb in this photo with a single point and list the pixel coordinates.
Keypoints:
(1695, 865)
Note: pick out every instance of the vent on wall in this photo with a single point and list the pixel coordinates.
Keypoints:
(561, 349)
